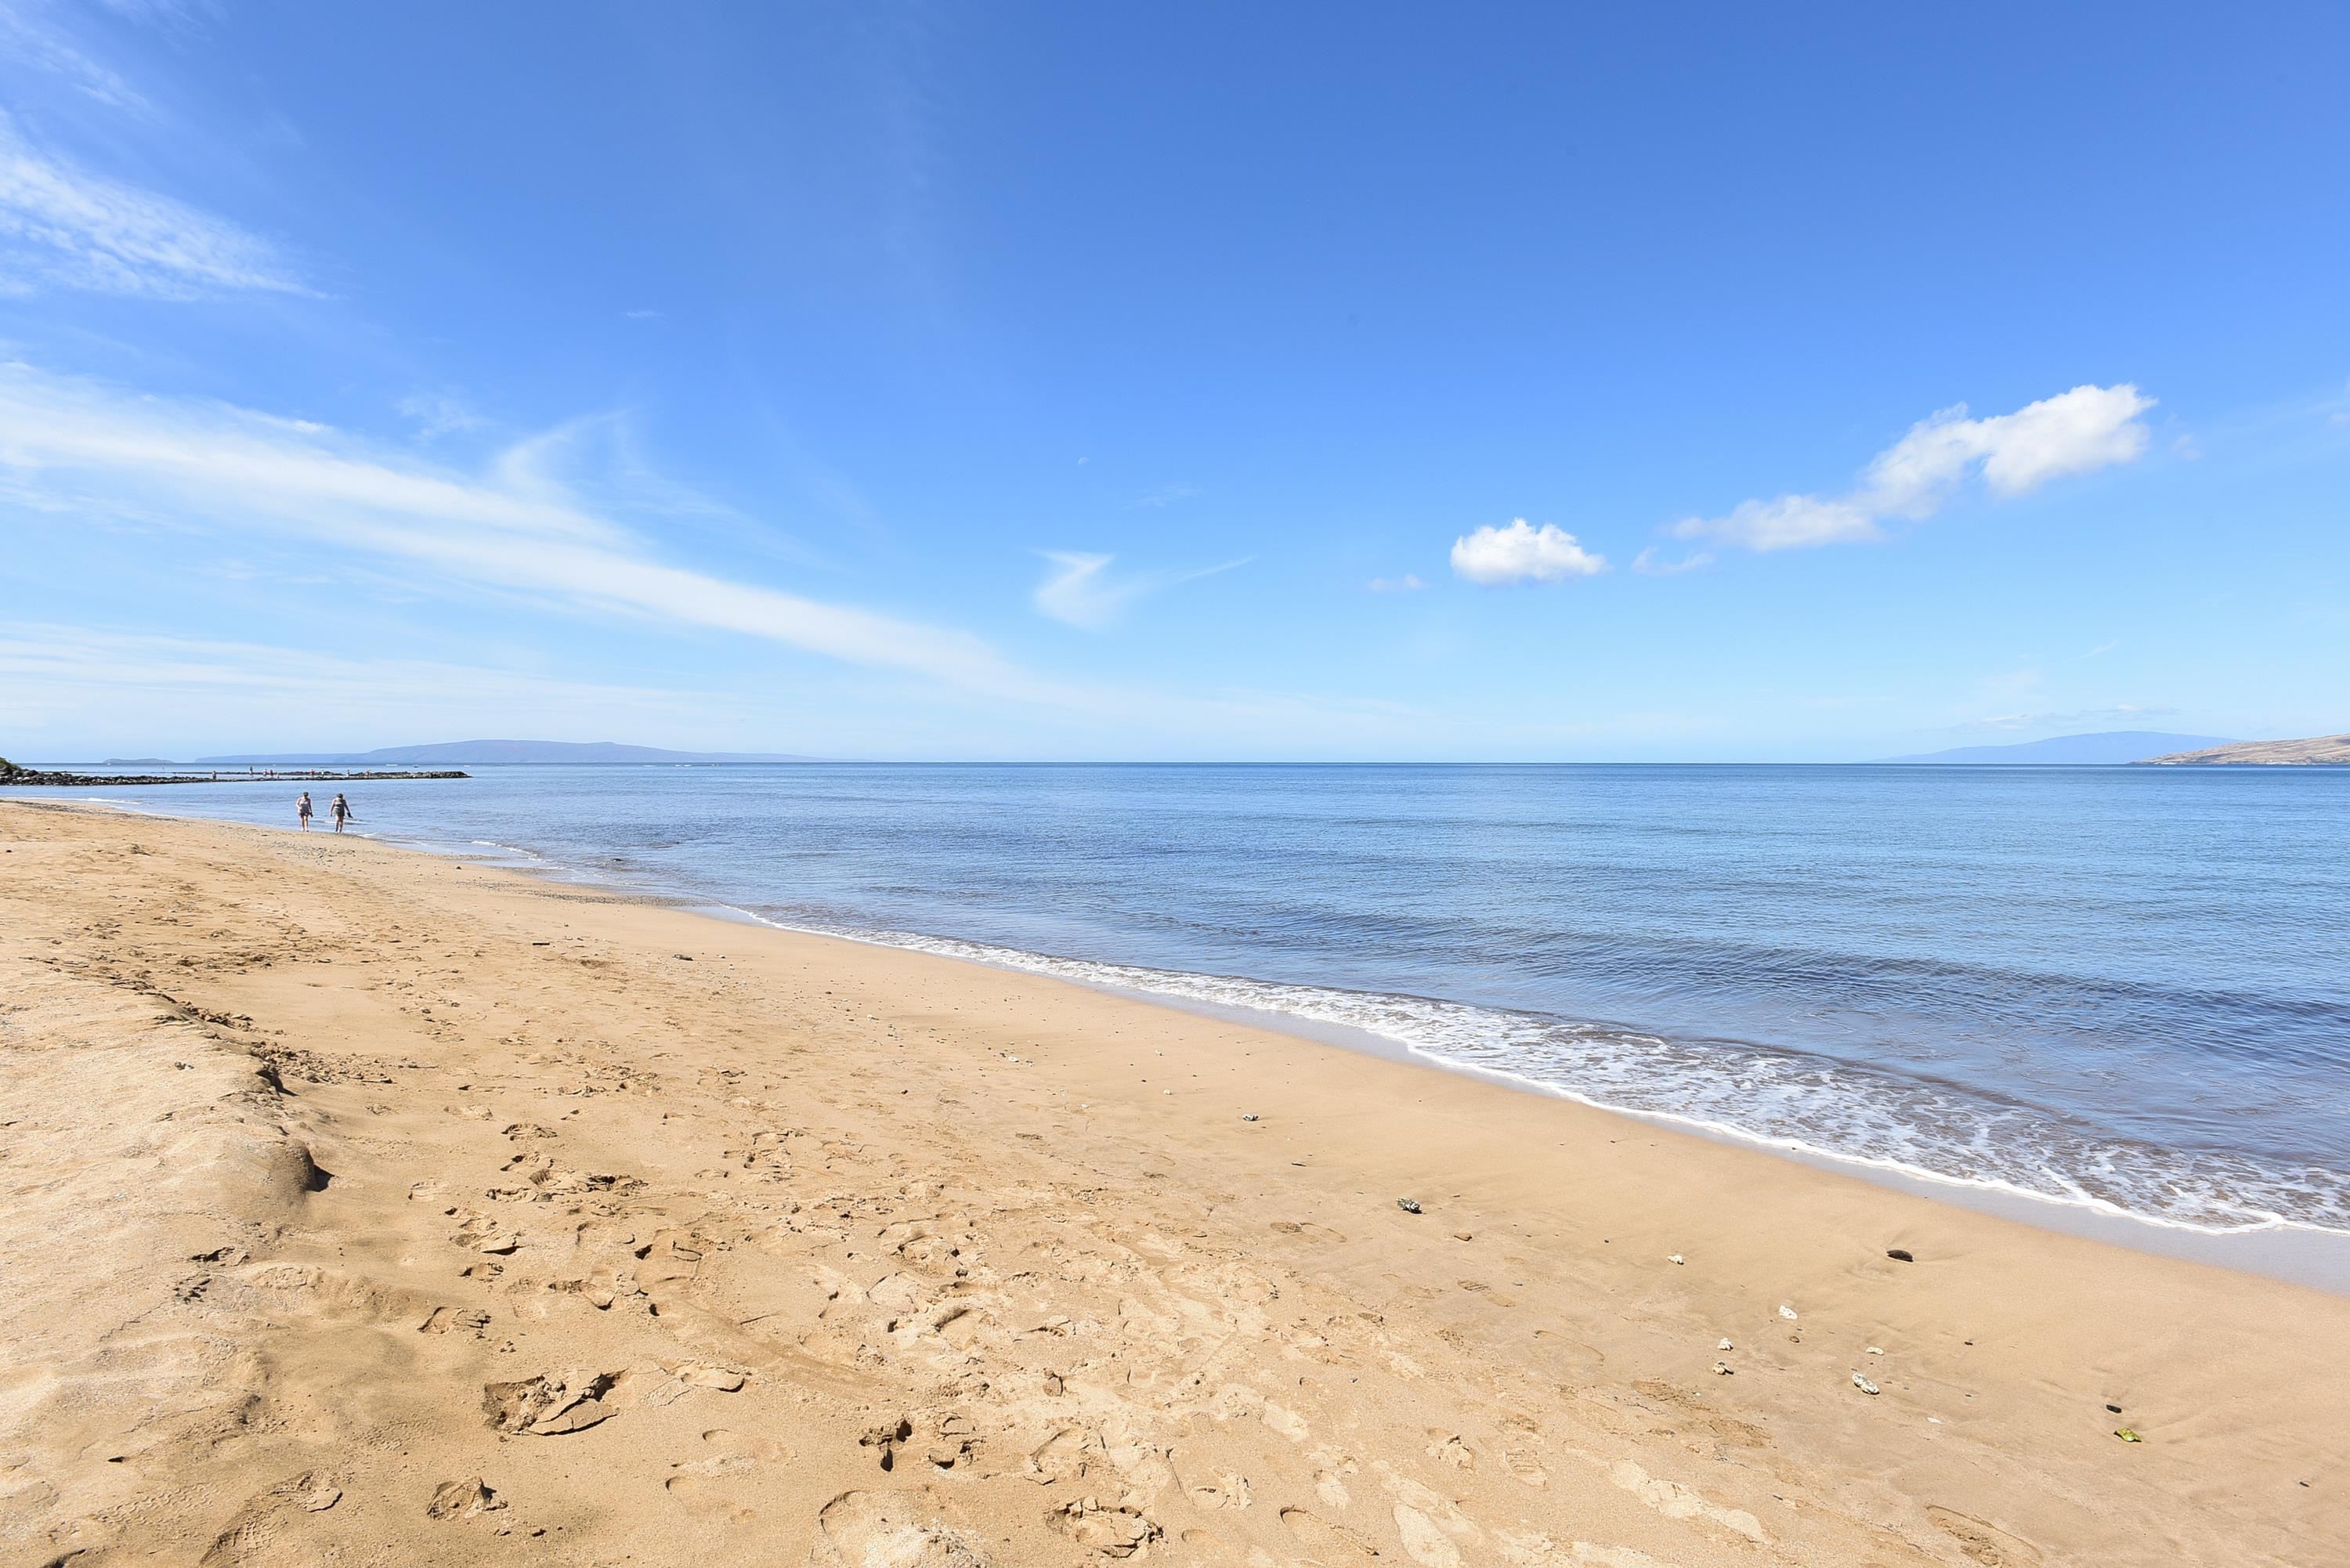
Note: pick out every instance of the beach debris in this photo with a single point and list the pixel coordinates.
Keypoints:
(475, 1321)
(1721, 1368)
(2127, 1435)
(1863, 1384)
(1111, 1529)
(885, 1438)
(548, 1406)
(1900, 1254)
(461, 1499)
(2114, 1410)
(1248, 1115)
(1725, 1344)
(1408, 1205)
(1786, 1312)
(1676, 1258)
(1875, 1350)
(1464, 1235)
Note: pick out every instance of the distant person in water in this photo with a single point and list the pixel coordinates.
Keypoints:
(303, 808)
(342, 810)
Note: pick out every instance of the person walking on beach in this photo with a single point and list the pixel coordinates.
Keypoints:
(342, 810)
(302, 808)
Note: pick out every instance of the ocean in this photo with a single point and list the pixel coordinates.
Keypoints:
(2119, 989)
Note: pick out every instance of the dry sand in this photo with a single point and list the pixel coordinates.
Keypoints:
(367, 1207)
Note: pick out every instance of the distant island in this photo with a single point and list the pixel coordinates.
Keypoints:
(604, 754)
(2106, 746)
(2318, 751)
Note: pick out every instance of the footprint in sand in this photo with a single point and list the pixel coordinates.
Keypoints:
(1426, 1542)
(253, 1531)
(899, 1529)
(1332, 1544)
(1986, 1543)
(717, 1483)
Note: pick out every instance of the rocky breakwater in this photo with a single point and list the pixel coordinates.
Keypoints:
(13, 776)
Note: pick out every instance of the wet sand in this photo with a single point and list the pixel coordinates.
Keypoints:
(367, 1207)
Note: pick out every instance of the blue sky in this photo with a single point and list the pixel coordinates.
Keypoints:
(1243, 382)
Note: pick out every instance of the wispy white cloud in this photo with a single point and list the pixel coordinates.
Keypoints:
(2074, 432)
(77, 453)
(1168, 495)
(1081, 591)
(28, 38)
(1522, 552)
(516, 526)
(1649, 564)
(645, 315)
(62, 226)
(438, 414)
(1409, 583)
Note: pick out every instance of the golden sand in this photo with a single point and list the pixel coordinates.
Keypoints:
(367, 1207)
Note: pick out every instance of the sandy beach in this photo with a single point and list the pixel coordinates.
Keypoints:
(366, 1207)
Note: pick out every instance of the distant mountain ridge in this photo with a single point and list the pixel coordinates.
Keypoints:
(2104, 746)
(2317, 752)
(604, 754)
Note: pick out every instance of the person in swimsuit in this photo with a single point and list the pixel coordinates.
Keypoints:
(302, 806)
(342, 810)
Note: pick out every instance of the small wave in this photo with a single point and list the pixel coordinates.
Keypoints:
(1776, 1100)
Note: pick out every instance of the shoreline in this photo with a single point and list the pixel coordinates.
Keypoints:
(2293, 1251)
(749, 1241)
(2290, 1250)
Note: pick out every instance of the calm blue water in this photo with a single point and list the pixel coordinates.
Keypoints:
(2108, 986)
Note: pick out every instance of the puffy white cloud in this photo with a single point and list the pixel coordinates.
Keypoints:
(2079, 431)
(1522, 552)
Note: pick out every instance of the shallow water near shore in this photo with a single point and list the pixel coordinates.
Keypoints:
(2125, 990)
